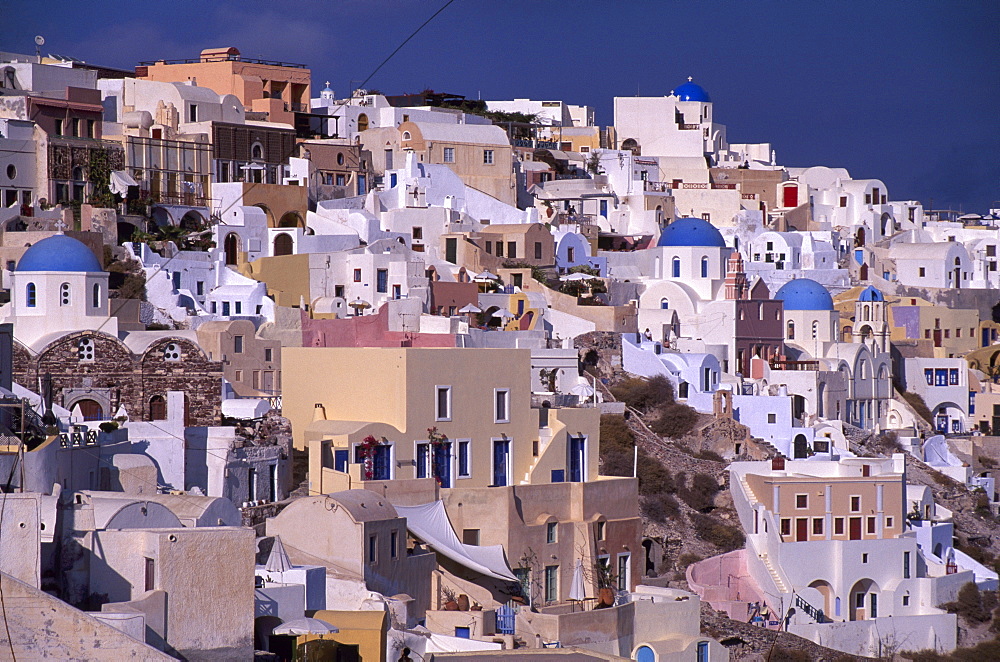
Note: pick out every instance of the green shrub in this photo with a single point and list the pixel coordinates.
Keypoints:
(969, 604)
(724, 536)
(701, 494)
(654, 478)
(615, 434)
(645, 395)
(918, 405)
(616, 463)
(660, 507)
(675, 420)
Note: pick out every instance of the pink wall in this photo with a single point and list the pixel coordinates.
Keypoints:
(366, 331)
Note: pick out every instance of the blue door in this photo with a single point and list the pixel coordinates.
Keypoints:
(340, 459)
(225, 309)
(380, 468)
(392, 180)
(442, 463)
(576, 451)
(604, 208)
(501, 456)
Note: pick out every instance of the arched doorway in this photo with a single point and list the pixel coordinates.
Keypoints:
(362, 122)
(630, 145)
(157, 408)
(859, 238)
(232, 248)
(864, 600)
(192, 220)
(826, 590)
(283, 244)
(91, 410)
(801, 447)
(268, 213)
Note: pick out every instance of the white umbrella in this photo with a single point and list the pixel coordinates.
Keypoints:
(277, 560)
(583, 389)
(305, 626)
(486, 275)
(469, 308)
(503, 313)
(577, 276)
(577, 589)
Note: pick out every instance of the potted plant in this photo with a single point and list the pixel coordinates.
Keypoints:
(606, 581)
(367, 449)
(437, 441)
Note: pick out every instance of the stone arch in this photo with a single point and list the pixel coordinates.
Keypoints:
(157, 408)
(800, 447)
(90, 409)
(192, 220)
(267, 212)
(291, 219)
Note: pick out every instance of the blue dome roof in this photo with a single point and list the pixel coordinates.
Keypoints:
(59, 253)
(871, 294)
(804, 294)
(691, 92)
(691, 232)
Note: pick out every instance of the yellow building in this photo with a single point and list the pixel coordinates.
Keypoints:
(460, 426)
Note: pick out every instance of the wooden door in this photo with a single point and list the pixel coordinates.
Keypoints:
(801, 529)
(855, 528)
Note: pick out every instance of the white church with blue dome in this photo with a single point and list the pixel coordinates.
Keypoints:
(833, 378)
(58, 286)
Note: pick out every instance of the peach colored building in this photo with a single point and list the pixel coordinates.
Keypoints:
(274, 89)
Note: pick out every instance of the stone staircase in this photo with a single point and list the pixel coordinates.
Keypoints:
(778, 581)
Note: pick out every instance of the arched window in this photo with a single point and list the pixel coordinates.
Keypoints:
(157, 408)
(29, 295)
(866, 312)
(97, 295)
(760, 311)
(676, 267)
(815, 330)
(664, 304)
(362, 122)
(257, 152)
(64, 294)
(704, 267)
(791, 330)
(406, 135)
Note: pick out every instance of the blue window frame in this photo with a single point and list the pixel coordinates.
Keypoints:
(29, 295)
(953, 377)
(929, 376)
(423, 453)
(940, 376)
(704, 267)
(676, 267)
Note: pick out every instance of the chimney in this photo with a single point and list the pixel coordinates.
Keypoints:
(319, 412)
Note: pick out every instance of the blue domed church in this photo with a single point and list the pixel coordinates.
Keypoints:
(64, 332)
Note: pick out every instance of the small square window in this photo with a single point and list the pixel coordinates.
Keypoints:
(855, 504)
(888, 522)
(357, 275)
(801, 501)
(237, 344)
(786, 526)
(268, 354)
(601, 530)
(488, 157)
(417, 232)
(864, 558)
(871, 525)
(838, 526)
(772, 418)
(922, 272)
(449, 154)
(817, 526)
(551, 532)
(470, 536)
(906, 601)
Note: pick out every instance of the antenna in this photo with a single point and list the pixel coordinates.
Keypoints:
(39, 42)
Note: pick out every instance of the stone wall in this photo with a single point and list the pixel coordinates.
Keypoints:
(117, 377)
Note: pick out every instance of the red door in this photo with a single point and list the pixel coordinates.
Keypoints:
(801, 529)
(855, 528)
(791, 196)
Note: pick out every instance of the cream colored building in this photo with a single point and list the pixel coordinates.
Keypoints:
(509, 472)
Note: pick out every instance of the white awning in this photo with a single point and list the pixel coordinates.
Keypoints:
(120, 181)
(429, 522)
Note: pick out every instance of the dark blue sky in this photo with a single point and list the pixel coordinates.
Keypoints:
(908, 92)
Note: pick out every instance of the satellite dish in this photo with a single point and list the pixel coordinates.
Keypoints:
(40, 40)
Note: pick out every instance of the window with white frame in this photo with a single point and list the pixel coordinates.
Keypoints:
(423, 459)
(449, 154)
(464, 458)
(443, 403)
(488, 157)
(501, 397)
